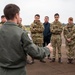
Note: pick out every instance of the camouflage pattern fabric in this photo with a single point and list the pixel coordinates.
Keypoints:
(56, 41)
(69, 32)
(1, 23)
(21, 26)
(37, 29)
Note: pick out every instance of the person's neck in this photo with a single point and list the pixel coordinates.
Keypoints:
(36, 20)
(70, 23)
(56, 20)
(46, 22)
(14, 21)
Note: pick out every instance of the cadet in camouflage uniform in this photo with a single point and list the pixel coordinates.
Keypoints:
(37, 29)
(13, 48)
(56, 41)
(69, 34)
(3, 20)
(20, 25)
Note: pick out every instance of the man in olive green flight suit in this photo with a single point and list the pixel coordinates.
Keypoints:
(15, 44)
(69, 34)
(3, 20)
(37, 29)
(56, 41)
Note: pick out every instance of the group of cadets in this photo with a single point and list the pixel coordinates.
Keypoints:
(44, 33)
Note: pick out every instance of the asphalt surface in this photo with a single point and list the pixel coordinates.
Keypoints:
(52, 68)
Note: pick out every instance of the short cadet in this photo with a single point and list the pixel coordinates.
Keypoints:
(3, 20)
(69, 34)
(15, 44)
(56, 41)
(37, 29)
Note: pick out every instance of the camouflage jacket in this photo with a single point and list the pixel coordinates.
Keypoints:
(1, 23)
(21, 26)
(56, 28)
(69, 32)
(37, 29)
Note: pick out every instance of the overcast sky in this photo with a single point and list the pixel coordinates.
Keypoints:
(66, 8)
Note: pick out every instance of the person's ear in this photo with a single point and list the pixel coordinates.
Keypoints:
(16, 16)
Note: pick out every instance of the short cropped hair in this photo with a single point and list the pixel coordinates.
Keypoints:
(56, 14)
(47, 17)
(70, 18)
(37, 15)
(2, 16)
(10, 11)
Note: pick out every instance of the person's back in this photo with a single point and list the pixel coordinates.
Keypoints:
(11, 51)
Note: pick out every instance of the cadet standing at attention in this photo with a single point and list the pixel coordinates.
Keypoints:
(15, 44)
(37, 29)
(56, 41)
(69, 34)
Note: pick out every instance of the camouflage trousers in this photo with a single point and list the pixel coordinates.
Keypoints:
(71, 51)
(56, 42)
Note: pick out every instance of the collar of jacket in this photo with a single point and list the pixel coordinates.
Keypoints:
(70, 25)
(10, 23)
(2, 22)
(56, 22)
(20, 25)
(46, 23)
(38, 21)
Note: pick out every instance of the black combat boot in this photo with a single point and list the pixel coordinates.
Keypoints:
(59, 60)
(53, 60)
(49, 57)
(70, 61)
(43, 61)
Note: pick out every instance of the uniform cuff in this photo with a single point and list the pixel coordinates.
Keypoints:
(47, 51)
